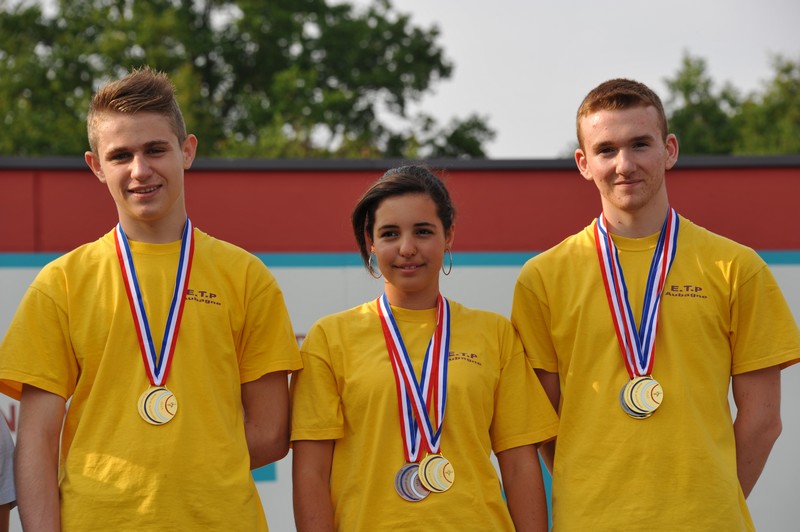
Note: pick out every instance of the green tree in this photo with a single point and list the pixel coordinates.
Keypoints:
(283, 78)
(702, 119)
(769, 122)
(722, 122)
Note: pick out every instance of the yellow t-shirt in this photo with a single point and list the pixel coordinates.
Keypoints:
(346, 392)
(73, 335)
(721, 314)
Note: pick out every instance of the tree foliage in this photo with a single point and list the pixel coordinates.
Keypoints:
(709, 121)
(283, 78)
(701, 118)
(769, 122)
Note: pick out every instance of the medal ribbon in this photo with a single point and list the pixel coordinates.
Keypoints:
(637, 347)
(156, 367)
(415, 396)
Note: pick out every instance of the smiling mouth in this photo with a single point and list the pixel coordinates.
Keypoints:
(144, 190)
(408, 266)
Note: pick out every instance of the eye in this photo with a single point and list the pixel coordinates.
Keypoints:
(120, 156)
(606, 150)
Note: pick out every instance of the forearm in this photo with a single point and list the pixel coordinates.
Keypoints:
(524, 488)
(265, 444)
(311, 477)
(313, 510)
(754, 441)
(265, 402)
(757, 395)
(36, 459)
(36, 478)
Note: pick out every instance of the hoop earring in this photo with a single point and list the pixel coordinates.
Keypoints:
(450, 255)
(371, 268)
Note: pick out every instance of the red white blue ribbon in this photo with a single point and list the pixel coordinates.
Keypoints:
(415, 397)
(156, 365)
(637, 346)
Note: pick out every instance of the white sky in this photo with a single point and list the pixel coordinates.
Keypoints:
(527, 64)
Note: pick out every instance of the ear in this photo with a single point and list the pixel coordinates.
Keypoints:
(94, 164)
(189, 151)
(583, 164)
(672, 151)
(370, 243)
(449, 237)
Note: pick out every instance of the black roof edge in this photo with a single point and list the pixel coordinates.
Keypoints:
(686, 161)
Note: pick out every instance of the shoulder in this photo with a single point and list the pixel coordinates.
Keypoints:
(222, 254)
(82, 260)
(575, 248)
(213, 245)
(463, 316)
(702, 241)
(343, 327)
(365, 312)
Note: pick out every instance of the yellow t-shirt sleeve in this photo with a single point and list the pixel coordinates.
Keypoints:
(316, 402)
(37, 348)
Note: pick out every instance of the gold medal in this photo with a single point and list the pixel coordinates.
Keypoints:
(641, 396)
(647, 394)
(436, 473)
(624, 403)
(157, 405)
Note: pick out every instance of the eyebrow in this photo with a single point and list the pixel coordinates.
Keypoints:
(396, 226)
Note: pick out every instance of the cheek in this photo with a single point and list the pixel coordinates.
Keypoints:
(382, 254)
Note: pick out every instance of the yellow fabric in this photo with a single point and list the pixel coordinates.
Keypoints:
(346, 392)
(722, 313)
(73, 335)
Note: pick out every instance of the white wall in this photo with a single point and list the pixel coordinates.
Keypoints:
(312, 292)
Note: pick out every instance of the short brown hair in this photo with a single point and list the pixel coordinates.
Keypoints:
(616, 94)
(144, 89)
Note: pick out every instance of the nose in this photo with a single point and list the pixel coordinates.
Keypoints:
(140, 169)
(625, 163)
(408, 247)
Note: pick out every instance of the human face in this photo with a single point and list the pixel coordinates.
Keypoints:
(139, 158)
(409, 242)
(627, 158)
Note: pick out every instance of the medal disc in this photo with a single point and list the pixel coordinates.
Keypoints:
(157, 405)
(623, 401)
(647, 394)
(641, 396)
(408, 485)
(436, 473)
(627, 405)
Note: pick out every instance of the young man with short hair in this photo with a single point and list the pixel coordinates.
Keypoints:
(163, 351)
(637, 326)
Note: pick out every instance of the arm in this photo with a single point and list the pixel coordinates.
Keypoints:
(36, 461)
(552, 388)
(524, 489)
(757, 395)
(5, 511)
(311, 477)
(266, 418)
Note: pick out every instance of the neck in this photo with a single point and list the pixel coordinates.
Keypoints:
(637, 224)
(158, 232)
(412, 301)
